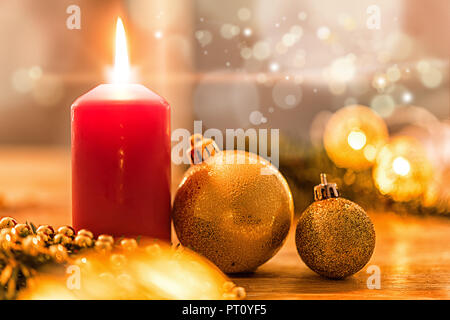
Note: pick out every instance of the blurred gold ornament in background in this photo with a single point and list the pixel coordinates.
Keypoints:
(353, 136)
(150, 271)
(402, 169)
(235, 208)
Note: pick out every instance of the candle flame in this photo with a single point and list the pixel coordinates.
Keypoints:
(121, 65)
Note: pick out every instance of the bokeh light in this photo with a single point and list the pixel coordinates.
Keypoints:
(262, 50)
(204, 37)
(257, 118)
(356, 139)
(244, 14)
(403, 170)
(229, 31)
(323, 33)
(247, 32)
(401, 166)
(353, 135)
(383, 104)
(286, 94)
(430, 72)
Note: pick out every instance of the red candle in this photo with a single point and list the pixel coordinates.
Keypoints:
(121, 157)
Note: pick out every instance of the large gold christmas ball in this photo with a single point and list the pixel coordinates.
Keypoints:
(353, 136)
(335, 237)
(235, 208)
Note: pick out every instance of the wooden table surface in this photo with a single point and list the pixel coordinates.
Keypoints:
(413, 253)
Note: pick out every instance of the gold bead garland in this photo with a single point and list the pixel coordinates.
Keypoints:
(25, 248)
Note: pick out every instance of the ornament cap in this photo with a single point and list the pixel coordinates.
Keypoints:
(201, 149)
(325, 190)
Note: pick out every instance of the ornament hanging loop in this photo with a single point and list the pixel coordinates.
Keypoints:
(201, 149)
(325, 190)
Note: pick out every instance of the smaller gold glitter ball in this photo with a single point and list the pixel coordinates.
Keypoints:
(335, 237)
